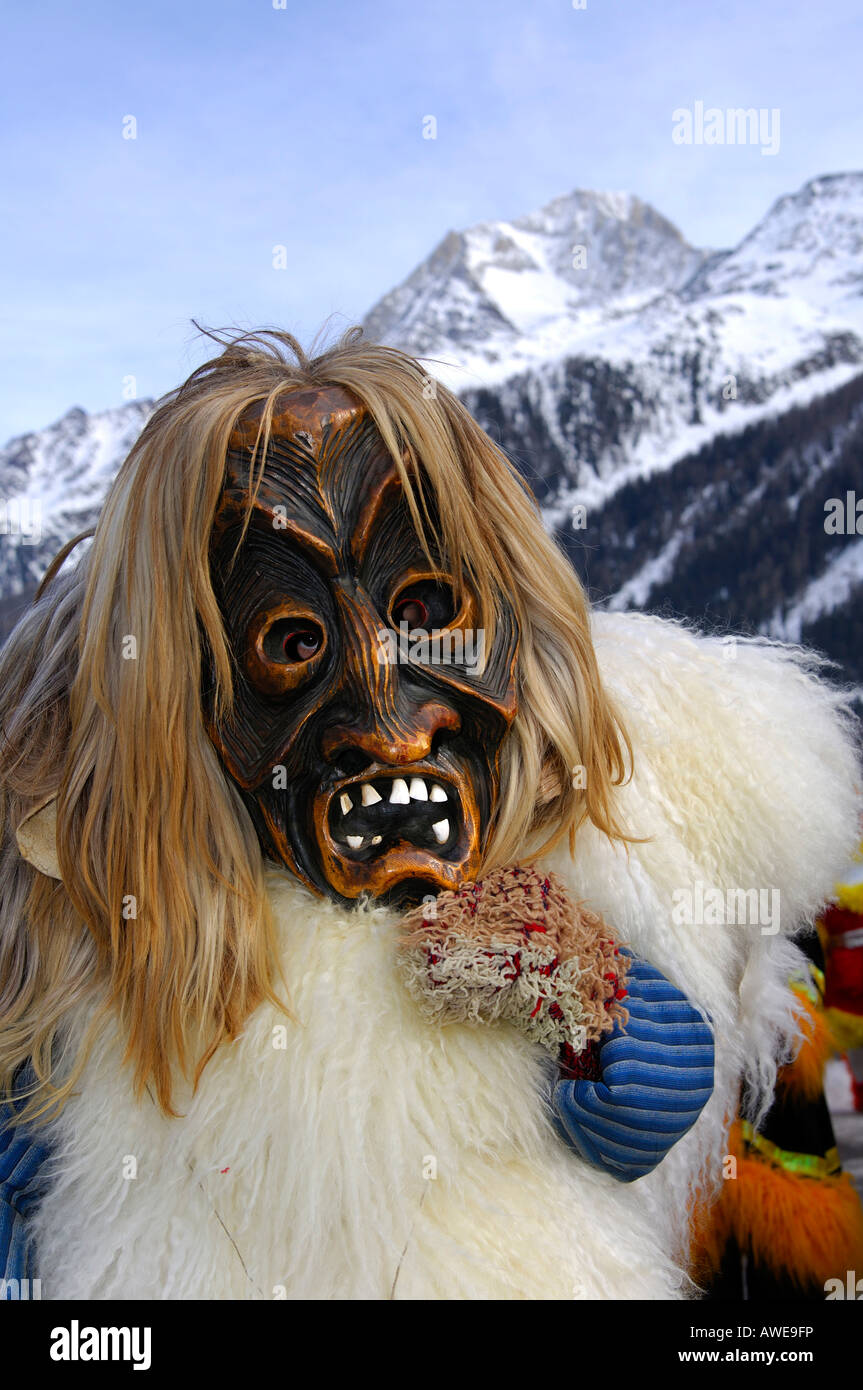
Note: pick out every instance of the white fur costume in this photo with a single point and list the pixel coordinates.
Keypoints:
(376, 1156)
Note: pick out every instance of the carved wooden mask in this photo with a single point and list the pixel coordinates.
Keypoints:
(366, 769)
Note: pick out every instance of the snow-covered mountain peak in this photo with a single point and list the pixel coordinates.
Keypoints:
(810, 242)
(76, 456)
(541, 275)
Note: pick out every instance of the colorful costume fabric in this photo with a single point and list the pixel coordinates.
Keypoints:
(788, 1221)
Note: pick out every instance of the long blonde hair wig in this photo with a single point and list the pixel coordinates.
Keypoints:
(161, 915)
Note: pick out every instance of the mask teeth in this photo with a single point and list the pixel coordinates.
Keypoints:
(395, 791)
(401, 794)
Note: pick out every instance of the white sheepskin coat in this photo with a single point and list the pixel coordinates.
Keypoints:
(361, 1153)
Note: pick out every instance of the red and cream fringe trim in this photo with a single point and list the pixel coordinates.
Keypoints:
(514, 946)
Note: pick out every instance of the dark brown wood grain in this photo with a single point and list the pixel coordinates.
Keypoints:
(363, 775)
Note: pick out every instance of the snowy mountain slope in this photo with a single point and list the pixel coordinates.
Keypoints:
(504, 293)
(691, 343)
(839, 585)
(735, 535)
(810, 244)
(53, 482)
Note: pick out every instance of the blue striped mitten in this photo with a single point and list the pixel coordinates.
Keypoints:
(652, 1078)
(23, 1159)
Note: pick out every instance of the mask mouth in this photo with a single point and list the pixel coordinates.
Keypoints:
(390, 823)
(368, 815)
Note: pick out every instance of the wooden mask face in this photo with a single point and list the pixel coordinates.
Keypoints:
(367, 758)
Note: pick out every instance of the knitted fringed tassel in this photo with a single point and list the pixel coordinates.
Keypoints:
(514, 946)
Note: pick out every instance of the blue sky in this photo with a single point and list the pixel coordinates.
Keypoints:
(302, 127)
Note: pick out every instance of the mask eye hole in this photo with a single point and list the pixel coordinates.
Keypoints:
(293, 641)
(411, 611)
(284, 648)
(425, 603)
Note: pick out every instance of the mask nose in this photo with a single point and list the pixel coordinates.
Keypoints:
(389, 725)
(394, 740)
